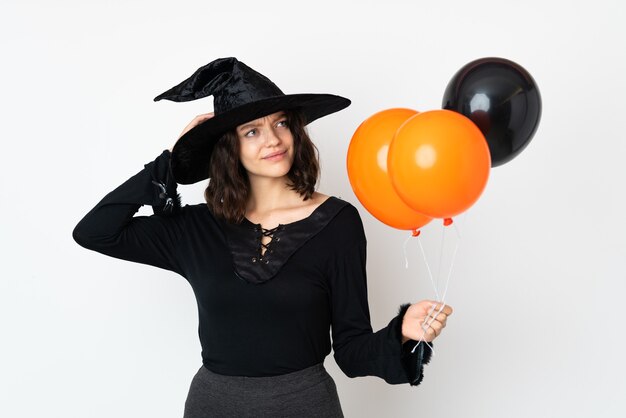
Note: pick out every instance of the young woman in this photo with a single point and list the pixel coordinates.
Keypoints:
(274, 265)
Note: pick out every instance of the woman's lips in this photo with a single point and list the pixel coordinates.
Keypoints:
(275, 156)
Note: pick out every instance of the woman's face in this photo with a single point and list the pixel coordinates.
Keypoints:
(266, 146)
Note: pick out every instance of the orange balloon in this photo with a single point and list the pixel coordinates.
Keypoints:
(367, 170)
(439, 163)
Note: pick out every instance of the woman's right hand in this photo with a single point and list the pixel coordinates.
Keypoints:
(195, 122)
(424, 320)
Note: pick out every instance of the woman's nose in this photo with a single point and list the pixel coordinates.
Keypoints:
(272, 138)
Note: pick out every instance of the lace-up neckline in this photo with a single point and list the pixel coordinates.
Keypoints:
(270, 234)
(266, 249)
(257, 262)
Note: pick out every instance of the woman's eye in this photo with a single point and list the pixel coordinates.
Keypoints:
(284, 123)
(250, 131)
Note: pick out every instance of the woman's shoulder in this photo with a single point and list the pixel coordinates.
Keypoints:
(197, 212)
(347, 208)
(346, 221)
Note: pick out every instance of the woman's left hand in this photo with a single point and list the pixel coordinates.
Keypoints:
(415, 325)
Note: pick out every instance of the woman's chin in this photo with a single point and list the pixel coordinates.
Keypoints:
(275, 173)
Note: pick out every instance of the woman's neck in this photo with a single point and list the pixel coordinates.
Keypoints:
(267, 194)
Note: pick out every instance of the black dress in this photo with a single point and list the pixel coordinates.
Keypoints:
(259, 315)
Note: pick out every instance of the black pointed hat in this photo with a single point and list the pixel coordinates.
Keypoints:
(240, 95)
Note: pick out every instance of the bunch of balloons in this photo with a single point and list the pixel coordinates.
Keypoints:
(408, 167)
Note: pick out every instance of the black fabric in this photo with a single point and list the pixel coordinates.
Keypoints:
(276, 327)
(414, 361)
(240, 94)
(244, 241)
(309, 393)
(231, 82)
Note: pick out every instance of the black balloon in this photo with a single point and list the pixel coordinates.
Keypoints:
(502, 99)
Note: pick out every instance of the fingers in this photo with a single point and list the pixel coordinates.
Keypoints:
(431, 309)
(196, 121)
(434, 322)
(427, 330)
(435, 325)
(199, 119)
(430, 332)
(437, 307)
(205, 116)
(439, 318)
(428, 319)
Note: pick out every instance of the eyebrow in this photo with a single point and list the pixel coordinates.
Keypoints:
(255, 124)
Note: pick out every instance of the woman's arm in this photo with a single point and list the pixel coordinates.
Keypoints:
(112, 229)
(357, 349)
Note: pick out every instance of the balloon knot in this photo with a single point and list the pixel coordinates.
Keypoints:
(447, 221)
(416, 233)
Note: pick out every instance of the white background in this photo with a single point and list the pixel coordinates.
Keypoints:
(539, 282)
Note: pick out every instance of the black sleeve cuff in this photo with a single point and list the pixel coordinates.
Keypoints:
(166, 200)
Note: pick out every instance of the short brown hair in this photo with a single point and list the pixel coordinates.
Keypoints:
(229, 187)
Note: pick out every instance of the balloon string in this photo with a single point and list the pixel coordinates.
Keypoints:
(406, 265)
(406, 259)
(430, 274)
(443, 237)
(458, 233)
(432, 282)
(443, 299)
(456, 249)
(462, 222)
(424, 329)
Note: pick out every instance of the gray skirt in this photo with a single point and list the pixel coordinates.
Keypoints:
(309, 392)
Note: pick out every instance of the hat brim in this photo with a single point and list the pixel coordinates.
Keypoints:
(192, 152)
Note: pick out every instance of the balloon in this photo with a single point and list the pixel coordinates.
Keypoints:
(439, 163)
(502, 99)
(367, 170)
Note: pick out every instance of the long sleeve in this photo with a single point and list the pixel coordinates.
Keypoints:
(357, 349)
(112, 229)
